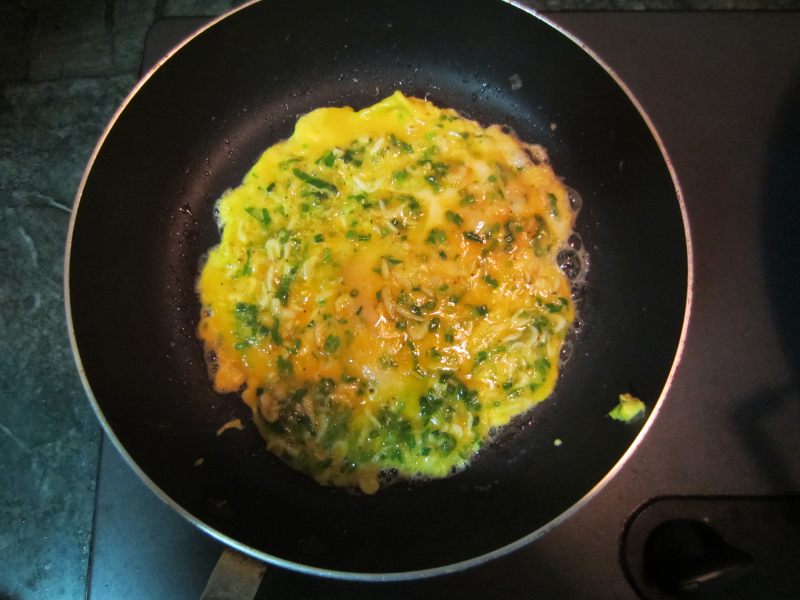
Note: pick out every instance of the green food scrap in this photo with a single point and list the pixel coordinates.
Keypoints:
(629, 409)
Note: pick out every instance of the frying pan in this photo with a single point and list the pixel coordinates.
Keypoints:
(144, 219)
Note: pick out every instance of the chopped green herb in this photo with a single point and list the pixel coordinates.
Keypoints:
(436, 236)
(285, 367)
(247, 314)
(439, 168)
(415, 358)
(491, 281)
(387, 362)
(541, 237)
(481, 310)
(285, 284)
(349, 156)
(554, 307)
(329, 159)
(454, 217)
(398, 143)
(429, 405)
(261, 216)
(413, 205)
(275, 332)
(400, 175)
(433, 324)
(434, 182)
(358, 237)
(247, 268)
(331, 344)
(540, 322)
(315, 181)
(444, 442)
(553, 205)
(287, 162)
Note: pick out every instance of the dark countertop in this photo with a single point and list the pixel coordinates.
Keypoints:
(63, 70)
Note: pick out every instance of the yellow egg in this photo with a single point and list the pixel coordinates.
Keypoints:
(386, 290)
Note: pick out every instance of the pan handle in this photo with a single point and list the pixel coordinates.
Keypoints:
(235, 577)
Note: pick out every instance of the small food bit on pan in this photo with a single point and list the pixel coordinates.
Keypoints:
(629, 409)
(232, 424)
(386, 293)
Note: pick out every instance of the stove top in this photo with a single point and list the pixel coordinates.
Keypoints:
(720, 466)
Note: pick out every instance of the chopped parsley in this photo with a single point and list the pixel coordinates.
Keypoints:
(454, 218)
(285, 285)
(436, 236)
(331, 344)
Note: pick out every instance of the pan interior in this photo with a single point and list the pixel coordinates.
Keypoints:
(193, 130)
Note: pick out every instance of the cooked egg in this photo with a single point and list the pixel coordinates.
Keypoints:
(386, 294)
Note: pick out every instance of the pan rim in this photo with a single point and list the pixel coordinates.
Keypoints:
(401, 575)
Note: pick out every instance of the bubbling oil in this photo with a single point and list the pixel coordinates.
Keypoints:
(573, 260)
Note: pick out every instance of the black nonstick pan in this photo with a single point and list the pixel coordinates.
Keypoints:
(144, 219)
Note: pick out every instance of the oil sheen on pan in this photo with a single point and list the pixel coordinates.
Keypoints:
(386, 293)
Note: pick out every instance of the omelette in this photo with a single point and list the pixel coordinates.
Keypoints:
(386, 295)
